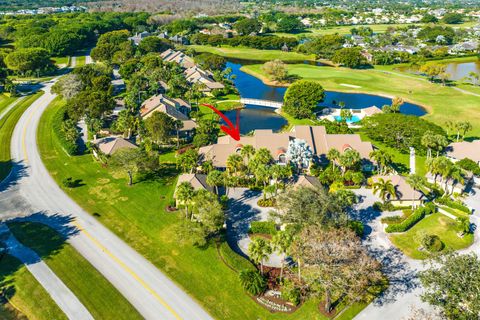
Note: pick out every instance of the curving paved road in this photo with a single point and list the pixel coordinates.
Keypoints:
(30, 191)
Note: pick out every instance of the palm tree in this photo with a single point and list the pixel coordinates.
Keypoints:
(455, 174)
(185, 194)
(262, 174)
(416, 182)
(450, 125)
(464, 224)
(281, 242)
(428, 141)
(247, 152)
(234, 163)
(215, 179)
(259, 250)
(382, 158)
(474, 77)
(333, 155)
(464, 127)
(384, 188)
(441, 143)
(349, 159)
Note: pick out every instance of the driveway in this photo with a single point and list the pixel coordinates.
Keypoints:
(243, 209)
(404, 290)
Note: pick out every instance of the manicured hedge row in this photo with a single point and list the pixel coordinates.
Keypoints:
(415, 217)
(453, 204)
(263, 227)
(59, 117)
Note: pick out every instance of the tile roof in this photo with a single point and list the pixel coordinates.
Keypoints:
(197, 180)
(405, 191)
(316, 137)
(465, 149)
(110, 145)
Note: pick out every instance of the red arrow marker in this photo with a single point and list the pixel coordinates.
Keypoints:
(232, 130)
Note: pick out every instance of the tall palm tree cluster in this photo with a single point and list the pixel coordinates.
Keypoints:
(344, 168)
(447, 171)
(250, 165)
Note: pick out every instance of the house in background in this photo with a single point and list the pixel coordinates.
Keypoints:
(109, 145)
(197, 181)
(307, 181)
(138, 37)
(405, 194)
(277, 143)
(197, 75)
(464, 149)
(179, 57)
(177, 109)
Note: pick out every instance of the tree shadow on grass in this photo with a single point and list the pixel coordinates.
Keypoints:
(16, 171)
(45, 234)
(27, 241)
(166, 174)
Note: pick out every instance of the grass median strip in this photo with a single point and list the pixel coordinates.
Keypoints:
(5, 101)
(7, 125)
(89, 286)
(25, 296)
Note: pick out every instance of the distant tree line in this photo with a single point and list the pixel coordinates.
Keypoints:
(257, 42)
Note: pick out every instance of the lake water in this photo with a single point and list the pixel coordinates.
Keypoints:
(456, 70)
(253, 117)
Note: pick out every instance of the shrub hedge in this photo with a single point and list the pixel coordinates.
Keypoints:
(453, 204)
(70, 147)
(263, 227)
(415, 217)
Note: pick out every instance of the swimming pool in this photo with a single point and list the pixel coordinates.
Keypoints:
(353, 119)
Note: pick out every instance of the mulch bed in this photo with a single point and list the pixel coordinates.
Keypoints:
(171, 209)
(260, 235)
(322, 310)
(277, 301)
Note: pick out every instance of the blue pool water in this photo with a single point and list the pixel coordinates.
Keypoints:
(353, 119)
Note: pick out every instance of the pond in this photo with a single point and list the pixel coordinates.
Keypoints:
(254, 117)
(456, 70)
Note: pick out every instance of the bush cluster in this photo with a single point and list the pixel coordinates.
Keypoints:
(415, 217)
(290, 292)
(270, 202)
(58, 122)
(263, 227)
(453, 204)
(432, 243)
(257, 42)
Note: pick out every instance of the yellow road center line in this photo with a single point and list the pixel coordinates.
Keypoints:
(24, 134)
(126, 268)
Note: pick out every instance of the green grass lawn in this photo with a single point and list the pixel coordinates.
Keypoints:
(344, 30)
(61, 61)
(457, 213)
(137, 214)
(437, 224)
(400, 161)
(443, 103)
(5, 101)
(7, 125)
(252, 54)
(89, 286)
(27, 299)
(80, 61)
